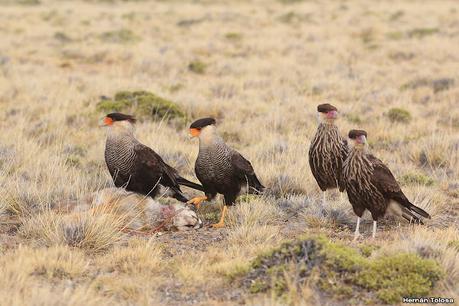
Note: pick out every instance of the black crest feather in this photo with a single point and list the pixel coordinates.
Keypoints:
(353, 134)
(122, 117)
(200, 123)
(325, 108)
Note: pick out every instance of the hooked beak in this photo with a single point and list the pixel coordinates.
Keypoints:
(361, 139)
(194, 132)
(332, 115)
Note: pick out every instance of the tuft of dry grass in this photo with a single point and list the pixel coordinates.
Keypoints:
(88, 231)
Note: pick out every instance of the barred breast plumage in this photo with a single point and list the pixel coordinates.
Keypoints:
(214, 164)
(327, 153)
(357, 173)
(120, 154)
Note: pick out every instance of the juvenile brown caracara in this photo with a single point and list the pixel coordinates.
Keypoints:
(328, 150)
(135, 166)
(219, 168)
(370, 185)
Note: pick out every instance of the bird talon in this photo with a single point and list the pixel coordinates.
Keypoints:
(197, 201)
(218, 225)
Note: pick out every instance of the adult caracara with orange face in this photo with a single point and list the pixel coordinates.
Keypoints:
(135, 166)
(219, 168)
(328, 150)
(371, 186)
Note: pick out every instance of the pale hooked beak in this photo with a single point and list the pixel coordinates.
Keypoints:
(332, 115)
(361, 139)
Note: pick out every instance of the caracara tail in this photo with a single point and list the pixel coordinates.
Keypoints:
(184, 182)
(410, 217)
(255, 186)
(418, 210)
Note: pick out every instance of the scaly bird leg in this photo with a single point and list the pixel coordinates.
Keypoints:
(374, 230)
(324, 197)
(222, 219)
(357, 232)
(197, 201)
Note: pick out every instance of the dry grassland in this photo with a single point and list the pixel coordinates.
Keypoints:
(260, 68)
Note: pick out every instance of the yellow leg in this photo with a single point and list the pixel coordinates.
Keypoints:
(222, 219)
(197, 201)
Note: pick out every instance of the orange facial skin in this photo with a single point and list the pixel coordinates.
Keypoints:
(195, 132)
(108, 121)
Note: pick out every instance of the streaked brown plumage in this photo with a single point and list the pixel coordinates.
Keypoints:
(370, 185)
(135, 166)
(328, 150)
(219, 168)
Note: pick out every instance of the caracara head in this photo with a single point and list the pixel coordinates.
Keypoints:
(202, 126)
(119, 122)
(358, 138)
(327, 113)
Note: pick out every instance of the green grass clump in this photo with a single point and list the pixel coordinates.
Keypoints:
(142, 103)
(233, 36)
(122, 36)
(396, 15)
(29, 2)
(416, 178)
(293, 17)
(62, 37)
(399, 115)
(258, 286)
(197, 67)
(395, 35)
(345, 272)
(394, 277)
(422, 32)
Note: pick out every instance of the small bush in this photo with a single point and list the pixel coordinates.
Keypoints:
(422, 32)
(29, 2)
(416, 178)
(122, 36)
(293, 17)
(344, 271)
(143, 104)
(62, 37)
(397, 15)
(233, 36)
(399, 115)
(197, 67)
(395, 35)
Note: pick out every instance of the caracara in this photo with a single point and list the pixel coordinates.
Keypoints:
(219, 168)
(135, 166)
(328, 150)
(370, 185)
